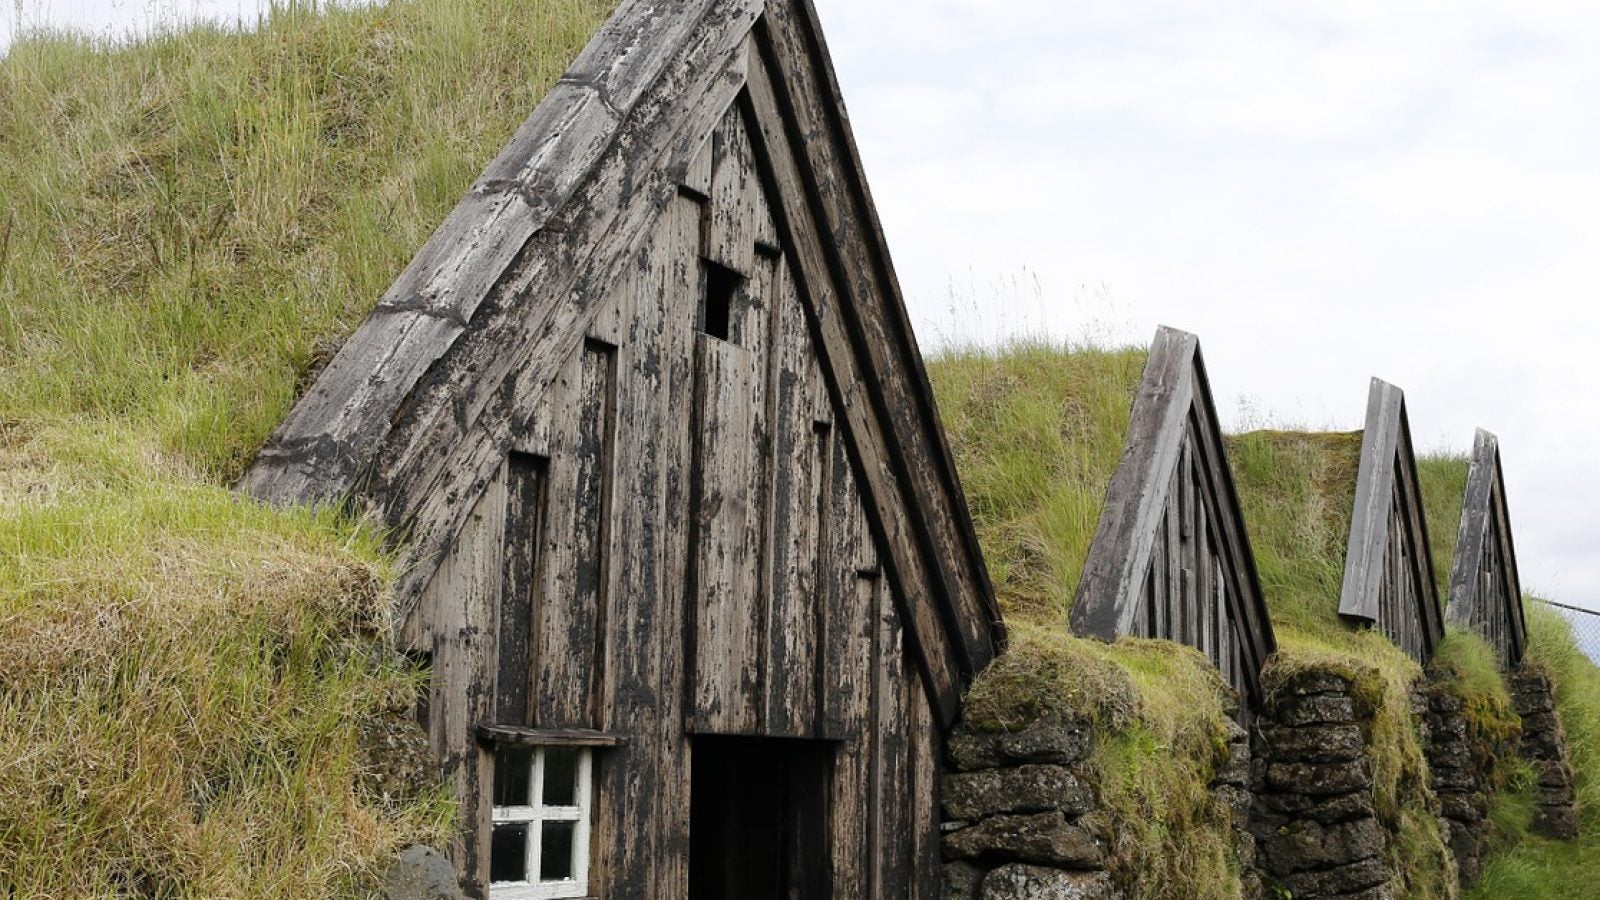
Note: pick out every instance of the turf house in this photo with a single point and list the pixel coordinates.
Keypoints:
(389, 510)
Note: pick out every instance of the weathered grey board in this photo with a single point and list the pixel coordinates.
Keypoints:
(461, 642)
(1485, 588)
(1170, 557)
(1388, 572)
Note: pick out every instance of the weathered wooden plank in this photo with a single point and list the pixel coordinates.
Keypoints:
(570, 659)
(851, 623)
(696, 179)
(669, 847)
(800, 507)
(465, 594)
(1177, 626)
(856, 790)
(520, 608)
(730, 643)
(926, 766)
(906, 562)
(1370, 519)
(896, 678)
(1126, 538)
(732, 229)
(547, 737)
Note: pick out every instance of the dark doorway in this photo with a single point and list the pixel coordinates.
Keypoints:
(758, 819)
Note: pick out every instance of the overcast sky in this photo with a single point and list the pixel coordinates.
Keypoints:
(1323, 194)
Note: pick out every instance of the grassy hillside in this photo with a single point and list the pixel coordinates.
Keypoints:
(188, 226)
(1037, 431)
(1535, 868)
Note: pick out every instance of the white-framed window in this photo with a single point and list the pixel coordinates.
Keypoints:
(540, 844)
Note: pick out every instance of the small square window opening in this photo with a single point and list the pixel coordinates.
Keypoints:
(540, 846)
(716, 316)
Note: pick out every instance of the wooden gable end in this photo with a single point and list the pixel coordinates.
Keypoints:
(1170, 558)
(1485, 589)
(510, 329)
(1388, 570)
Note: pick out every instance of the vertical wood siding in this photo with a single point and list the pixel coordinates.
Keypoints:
(1485, 587)
(681, 545)
(1388, 576)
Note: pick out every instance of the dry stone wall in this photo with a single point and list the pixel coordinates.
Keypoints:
(1019, 807)
(1544, 745)
(1314, 819)
(1014, 805)
(1464, 771)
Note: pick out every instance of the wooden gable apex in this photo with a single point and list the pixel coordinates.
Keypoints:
(1170, 558)
(1485, 588)
(1388, 570)
(417, 411)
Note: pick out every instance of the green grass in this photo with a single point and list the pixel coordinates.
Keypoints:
(1536, 868)
(1036, 430)
(189, 226)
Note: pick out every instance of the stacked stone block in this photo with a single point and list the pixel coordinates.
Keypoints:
(1231, 785)
(1544, 745)
(1316, 827)
(1013, 808)
(1462, 771)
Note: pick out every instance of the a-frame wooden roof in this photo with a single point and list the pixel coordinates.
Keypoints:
(1388, 570)
(412, 416)
(1170, 558)
(1485, 588)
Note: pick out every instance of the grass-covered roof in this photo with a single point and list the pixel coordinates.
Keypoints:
(189, 224)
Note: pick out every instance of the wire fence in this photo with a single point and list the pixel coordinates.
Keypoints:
(1585, 626)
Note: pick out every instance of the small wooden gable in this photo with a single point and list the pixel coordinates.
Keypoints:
(1485, 589)
(1388, 570)
(1170, 558)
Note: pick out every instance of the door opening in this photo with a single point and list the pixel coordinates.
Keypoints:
(758, 819)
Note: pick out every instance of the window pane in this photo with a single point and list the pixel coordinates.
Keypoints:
(555, 855)
(508, 855)
(513, 776)
(561, 776)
